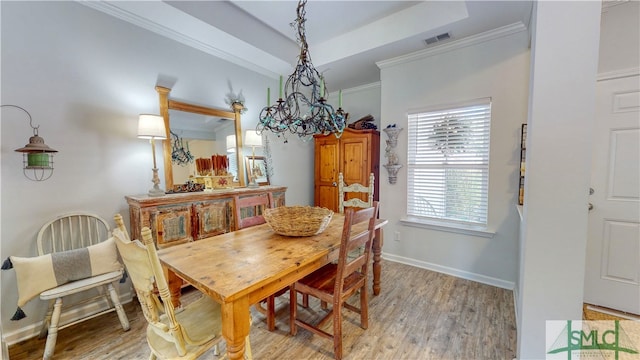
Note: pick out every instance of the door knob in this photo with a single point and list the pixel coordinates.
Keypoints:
(591, 191)
(590, 206)
(334, 183)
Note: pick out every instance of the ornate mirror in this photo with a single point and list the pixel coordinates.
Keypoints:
(217, 124)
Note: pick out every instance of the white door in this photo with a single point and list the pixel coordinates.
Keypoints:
(612, 276)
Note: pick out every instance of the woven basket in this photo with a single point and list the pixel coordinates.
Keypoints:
(298, 220)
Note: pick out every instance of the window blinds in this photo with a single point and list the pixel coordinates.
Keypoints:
(448, 163)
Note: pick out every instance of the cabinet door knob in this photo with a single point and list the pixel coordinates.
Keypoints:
(334, 183)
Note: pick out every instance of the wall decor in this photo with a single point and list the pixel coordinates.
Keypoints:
(257, 169)
(393, 163)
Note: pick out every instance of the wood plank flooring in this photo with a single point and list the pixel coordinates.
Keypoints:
(418, 315)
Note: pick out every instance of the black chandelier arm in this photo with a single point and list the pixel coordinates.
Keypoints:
(179, 155)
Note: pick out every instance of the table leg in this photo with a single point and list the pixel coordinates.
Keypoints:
(175, 287)
(377, 267)
(236, 324)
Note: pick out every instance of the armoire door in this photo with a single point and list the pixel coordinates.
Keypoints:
(327, 160)
(355, 162)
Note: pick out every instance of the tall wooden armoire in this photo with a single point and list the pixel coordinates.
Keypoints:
(356, 154)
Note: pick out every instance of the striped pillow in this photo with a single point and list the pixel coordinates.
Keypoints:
(37, 274)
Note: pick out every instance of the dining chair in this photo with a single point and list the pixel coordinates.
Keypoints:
(184, 333)
(68, 236)
(351, 193)
(249, 210)
(335, 283)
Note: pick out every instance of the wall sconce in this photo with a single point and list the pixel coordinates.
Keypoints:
(37, 157)
(152, 127)
(253, 139)
(393, 164)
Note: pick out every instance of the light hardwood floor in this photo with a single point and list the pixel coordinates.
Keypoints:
(419, 314)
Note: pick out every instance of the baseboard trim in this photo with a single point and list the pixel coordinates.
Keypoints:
(33, 330)
(488, 280)
(612, 312)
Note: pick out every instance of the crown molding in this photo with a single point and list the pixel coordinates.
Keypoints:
(364, 87)
(455, 45)
(178, 30)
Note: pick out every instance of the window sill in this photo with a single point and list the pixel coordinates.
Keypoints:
(458, 228)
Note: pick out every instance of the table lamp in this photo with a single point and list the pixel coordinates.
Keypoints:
(253, 139)
(152, 127)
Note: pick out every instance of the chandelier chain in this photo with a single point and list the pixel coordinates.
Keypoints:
(303, 110)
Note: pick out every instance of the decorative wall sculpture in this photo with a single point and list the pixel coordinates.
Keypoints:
(393, 163)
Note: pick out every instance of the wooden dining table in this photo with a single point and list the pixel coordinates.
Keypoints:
(243, 267)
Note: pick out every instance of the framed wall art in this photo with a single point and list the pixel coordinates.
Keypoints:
(257, 166)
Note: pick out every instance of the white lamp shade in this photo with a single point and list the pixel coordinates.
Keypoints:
(252, 138)
(231, 143)
(151, 126)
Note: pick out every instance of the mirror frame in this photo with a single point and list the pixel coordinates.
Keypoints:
(167, 104)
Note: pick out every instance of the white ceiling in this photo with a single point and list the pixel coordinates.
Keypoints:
(346, 38)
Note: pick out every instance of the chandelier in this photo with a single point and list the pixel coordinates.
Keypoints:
(180, 155)
(303, 111)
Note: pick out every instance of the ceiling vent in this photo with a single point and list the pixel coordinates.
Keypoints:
(434, 39)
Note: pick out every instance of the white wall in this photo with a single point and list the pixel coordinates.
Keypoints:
(559, 132)
(498, 69)
(360, 102)
(85, 76)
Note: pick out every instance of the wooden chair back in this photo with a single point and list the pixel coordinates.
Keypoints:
(145, 270)
(72, 231)
(184, 334)
(351, 195)
(357, 233)
(249, 209)
(336, 283)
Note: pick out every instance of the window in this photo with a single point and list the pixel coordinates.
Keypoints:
(448, 163)
(233, 163)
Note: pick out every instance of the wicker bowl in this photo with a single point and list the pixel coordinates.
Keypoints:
(298, 220)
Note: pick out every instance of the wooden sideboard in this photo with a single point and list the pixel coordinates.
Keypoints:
(179, 218)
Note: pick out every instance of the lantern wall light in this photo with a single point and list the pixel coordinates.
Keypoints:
(37, 157)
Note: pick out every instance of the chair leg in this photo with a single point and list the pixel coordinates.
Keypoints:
(337, 331)
(271, 313)
(124, 321)
(364, 308)
(52, 336)
(47, 320)
(293, 309)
